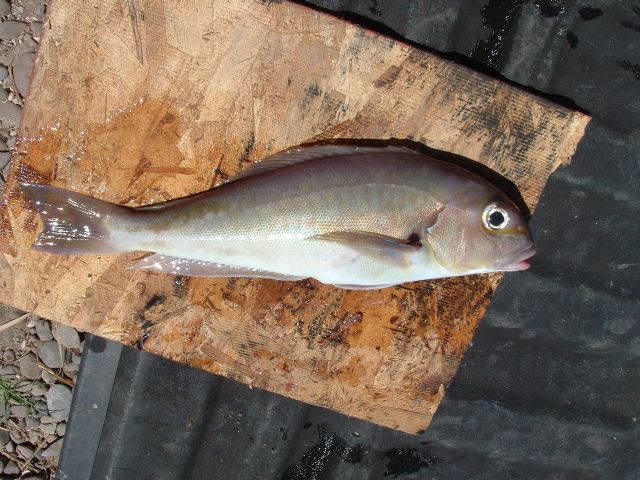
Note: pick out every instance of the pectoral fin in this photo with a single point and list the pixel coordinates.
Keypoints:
(372, 244)
(199, 268)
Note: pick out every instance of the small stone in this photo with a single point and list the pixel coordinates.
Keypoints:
(47, 377)
(8, 370)
(25, 451)
(47, 419)
(38, 389)
(43, 330)
(5, 9)
(30, 9)
(70, 370)
(36, 28)
(41, 406)
(34, 341)
(61, 429)
(28, 45)
(48, 428)
(4, 437)
(29, 367)
(22, 66)
(11, 29)
(31, 477)
(53, 450)
(31, 422)
(11, 142)
(50, 354)
(35, 437)
(20, 411)
(9, 447)
(67, 336)
(11, 469)
(9, 355)
(16, 437)
(75, 358)
(10, 114)
(59, 401)
(5, 158)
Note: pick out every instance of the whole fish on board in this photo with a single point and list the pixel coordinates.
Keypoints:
(355, 217)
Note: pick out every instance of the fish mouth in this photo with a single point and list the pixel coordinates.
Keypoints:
(516, 260)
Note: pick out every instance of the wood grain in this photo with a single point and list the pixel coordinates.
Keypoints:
(141, 101)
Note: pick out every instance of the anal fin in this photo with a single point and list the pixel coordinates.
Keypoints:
(200, 268)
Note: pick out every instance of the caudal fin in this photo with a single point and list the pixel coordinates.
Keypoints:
(72, 223)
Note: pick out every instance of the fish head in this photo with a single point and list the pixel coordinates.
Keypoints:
(480, 230)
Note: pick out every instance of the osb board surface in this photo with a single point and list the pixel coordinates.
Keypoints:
(141, 101)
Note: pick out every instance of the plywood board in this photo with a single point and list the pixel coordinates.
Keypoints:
(140, 101)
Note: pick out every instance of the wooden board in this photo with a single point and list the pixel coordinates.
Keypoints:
(140, 101)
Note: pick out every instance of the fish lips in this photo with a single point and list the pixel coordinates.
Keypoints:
(516, 260)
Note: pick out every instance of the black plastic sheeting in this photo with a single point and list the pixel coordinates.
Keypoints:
(550, 388)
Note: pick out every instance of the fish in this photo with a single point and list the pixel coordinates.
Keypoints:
(355, 217)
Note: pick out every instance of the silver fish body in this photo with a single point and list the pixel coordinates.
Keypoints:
(349, 216)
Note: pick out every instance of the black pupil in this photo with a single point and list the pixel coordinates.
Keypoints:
(496, 219)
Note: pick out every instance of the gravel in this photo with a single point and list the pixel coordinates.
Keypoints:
(11, 29)
(29, 367)
(8, 370)
(66, 336)
(47, 419)
(35, 437)
(22, 66)
(59, 401)
(47, 377)
(49, 353)
(39, 389)
(25, 451)
(11, 468)
(71, 370)
(43, 330)
(36, 28)
(20, 411)
(9, 356)
(10, 114)
(17, 436)
(31, 422)
(53, 450)
(5, 9)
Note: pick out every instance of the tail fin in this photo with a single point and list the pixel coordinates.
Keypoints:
(73, 223)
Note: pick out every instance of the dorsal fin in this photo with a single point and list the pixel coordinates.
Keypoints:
(303, 154)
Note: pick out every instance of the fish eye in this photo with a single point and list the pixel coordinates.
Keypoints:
(495, 217)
